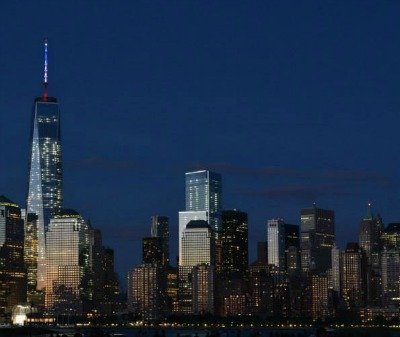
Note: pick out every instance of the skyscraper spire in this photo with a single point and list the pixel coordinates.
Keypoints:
(45, 79)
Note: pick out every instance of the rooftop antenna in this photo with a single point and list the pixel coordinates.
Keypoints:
(46, 77)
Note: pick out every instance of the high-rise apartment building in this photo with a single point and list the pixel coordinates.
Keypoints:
(197, 248)
(160, 229)
(12, 271)
(68, 263)
(45, 169)
(317, 237)
(276, 242)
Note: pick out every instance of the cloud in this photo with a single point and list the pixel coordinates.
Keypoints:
(107, 164)
(237, 169)
(304, 192)
(325, 175)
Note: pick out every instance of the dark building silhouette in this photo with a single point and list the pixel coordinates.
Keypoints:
(353, 277)
(160, 229)
(371, 229)
(12, 271)
(292, 248)
(152, 250)
(317, 237)
(234, 243)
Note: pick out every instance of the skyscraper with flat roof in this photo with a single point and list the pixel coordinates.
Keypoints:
(68, 263)
(317, 237)
(12, 271)
(234, 243)
(45, 169)
(160, 229)
(276, 242)
(197, 248)
(204, 193)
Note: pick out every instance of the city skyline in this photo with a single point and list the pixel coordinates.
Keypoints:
(263, 175)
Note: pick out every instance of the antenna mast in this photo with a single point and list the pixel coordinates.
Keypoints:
(45, 82)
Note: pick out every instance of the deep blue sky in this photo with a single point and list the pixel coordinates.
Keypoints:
(292, 102)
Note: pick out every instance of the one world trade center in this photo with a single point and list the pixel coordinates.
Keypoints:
(45, 169)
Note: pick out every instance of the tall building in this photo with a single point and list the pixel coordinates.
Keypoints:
(12, 271)
(68, 263)
(292, 248)
(371, 229)
(320, 307)
(317, 237)
(390, 237)
(204, 193)
(30, 256)
(197, 248)
(160, 228)
(184, 218)
(276, 242)
(352, 274)
(390, 276)
(152, 250)
(203, 289)
(45, 169)
(234, 243)
(146, 291)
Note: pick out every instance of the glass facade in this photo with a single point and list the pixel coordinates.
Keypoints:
(45, 173)
(204, 193)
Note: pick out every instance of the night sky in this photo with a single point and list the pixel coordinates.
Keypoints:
(292, 102)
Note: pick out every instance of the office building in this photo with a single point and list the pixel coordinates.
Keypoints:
(160, 229)
(371, 229)
(203, 191)
(317, 237)
(203, 289)
(12, 271)
(390, 237)
(45, 169)
(234, 244)
(390, 277)
(197, 248)
(292, 248)
(34, 296)
(319, 297)
(276, 243)
(146, 291)
(152, 250)
(184, 218)
(353, 278)
(68, 263)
